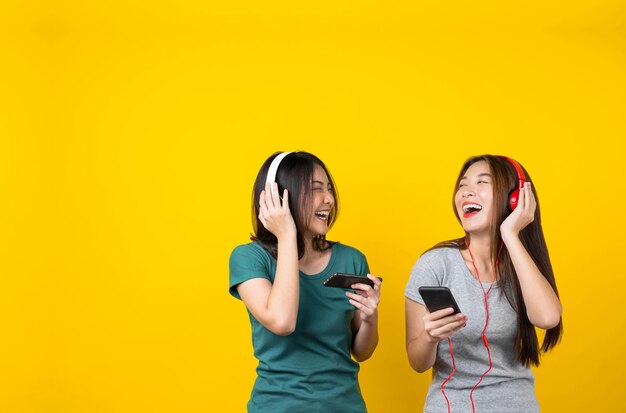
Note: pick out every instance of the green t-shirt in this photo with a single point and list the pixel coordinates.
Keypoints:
(310, 370)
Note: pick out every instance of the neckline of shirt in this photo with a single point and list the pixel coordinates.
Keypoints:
(326, 271)
(471, 276)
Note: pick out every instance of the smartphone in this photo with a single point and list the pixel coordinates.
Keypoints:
(438, 298)
(341, 280)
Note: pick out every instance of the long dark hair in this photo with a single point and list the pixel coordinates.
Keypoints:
(295, 174)
(504, 180)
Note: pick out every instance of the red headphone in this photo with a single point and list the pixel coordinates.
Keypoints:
(521, 179)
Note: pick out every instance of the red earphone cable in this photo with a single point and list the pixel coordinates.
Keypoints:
(486, 343)
(450, 376)
(484, 335)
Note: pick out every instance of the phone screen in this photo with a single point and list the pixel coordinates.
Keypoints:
(438, 298)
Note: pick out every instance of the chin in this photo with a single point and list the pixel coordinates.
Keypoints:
(322, 233)
(470, 227)
(478, 228)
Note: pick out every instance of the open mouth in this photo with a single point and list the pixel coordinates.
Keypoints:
(323, 215)
(471, 209)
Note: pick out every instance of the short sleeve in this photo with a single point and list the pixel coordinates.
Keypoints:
(422, 274)
(247, 262)
(364, 267)
(352, 260)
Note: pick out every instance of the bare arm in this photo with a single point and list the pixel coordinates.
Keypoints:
(542, 304)
(275, 305)
(425, 330)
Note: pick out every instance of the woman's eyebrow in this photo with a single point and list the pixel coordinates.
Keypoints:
(482, 174)
(487, 174)
(317, 182)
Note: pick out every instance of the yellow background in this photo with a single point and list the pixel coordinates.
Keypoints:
(132, 131)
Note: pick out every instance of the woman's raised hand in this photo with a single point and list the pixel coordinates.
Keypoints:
(274, 214)
(523, 214)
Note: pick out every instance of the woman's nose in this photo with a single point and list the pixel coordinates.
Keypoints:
(328, 197)
(468, 192)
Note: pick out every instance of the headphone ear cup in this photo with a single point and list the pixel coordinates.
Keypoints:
(513, 197)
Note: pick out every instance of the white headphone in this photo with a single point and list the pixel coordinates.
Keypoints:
(271, 173)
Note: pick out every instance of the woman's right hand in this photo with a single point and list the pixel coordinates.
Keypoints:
(274, 215)
(441, 324)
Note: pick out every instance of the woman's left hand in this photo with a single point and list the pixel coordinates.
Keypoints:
(523, 214)
(366, 299)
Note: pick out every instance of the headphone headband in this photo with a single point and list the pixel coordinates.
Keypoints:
(521, 177)
(271, 173)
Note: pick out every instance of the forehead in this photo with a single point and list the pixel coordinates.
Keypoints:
(319, 174)
(478, 168)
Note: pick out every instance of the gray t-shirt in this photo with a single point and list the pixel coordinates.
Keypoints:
(509, 386)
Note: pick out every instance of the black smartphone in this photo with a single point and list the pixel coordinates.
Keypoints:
(341, 280)
(438, 298)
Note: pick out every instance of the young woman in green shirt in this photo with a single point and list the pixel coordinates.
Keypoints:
(306, 336)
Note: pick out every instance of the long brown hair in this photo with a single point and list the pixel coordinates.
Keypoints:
(504, 180)
(294, 174)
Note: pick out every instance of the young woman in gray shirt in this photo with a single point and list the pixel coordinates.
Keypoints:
(500, 275)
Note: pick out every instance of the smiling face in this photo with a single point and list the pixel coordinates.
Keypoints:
(322, 202)
(474, 199)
